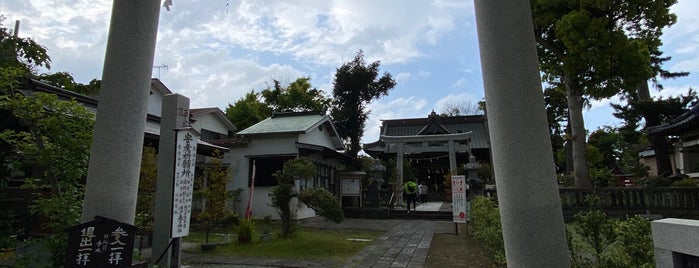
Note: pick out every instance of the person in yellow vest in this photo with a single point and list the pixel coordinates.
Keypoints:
(410, 191)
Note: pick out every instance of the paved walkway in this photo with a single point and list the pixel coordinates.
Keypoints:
(405, 243)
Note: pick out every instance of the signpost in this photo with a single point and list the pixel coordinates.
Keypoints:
(185, 161)
(173, 196)
(459, 205)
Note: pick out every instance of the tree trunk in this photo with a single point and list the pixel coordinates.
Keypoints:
(577, 131)
(569, 151)
(659, 143)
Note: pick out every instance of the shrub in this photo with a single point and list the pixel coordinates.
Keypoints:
(487, 228)
(323, 202)
(635, 244)
(595, 230)
(685, 183)
(246, 228)
(656, 181)
(283, 193)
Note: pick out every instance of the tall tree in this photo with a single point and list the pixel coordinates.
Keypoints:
(356, 84)
(654, 112)
(53, 150)
(298, 96)
(461, 108)
(19, 58)
(596, 49)
(248, 110)
(212, 188)
(557, 117)
(65, 81)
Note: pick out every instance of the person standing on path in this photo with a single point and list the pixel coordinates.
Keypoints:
(410, 189)
(422, 192)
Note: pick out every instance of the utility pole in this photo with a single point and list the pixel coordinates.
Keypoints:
(16, 33)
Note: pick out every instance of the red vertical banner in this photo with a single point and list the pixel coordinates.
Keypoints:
(458, 198)
(248, 210)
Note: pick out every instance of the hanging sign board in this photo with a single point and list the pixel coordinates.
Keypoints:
(458, 197)
(351, 186)
(185, 161)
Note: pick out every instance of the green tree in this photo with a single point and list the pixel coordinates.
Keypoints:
(53, 150)
(48, 140)
(21, 54)
(596, 49)
(65, 81)
(557, 117)
(356, 84)
(213, 190)
(145, 203)
(323, 202)
(298, 96)
(19, 58)
(653, 112)
(248, 110)
(283, 193)
(595, 229)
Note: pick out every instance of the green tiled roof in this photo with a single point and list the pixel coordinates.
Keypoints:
(284, 124)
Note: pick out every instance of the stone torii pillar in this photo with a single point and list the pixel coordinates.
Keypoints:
(399, 145)
(530, 205)
(399, 169)
(117, 143)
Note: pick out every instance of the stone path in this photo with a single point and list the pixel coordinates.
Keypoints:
(405, 243)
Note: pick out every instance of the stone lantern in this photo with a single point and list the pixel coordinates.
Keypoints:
(372, 198)
(377, 172)
(475, 183)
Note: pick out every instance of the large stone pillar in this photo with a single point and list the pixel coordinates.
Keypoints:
(452, 159)
(174, 114)
(530, 206)
(399, 169)
(117, 143)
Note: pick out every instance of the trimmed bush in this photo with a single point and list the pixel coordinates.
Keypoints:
(487, 228)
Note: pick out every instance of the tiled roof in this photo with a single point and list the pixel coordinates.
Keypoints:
(454, 124)
(285, 123)
(684, 122)
(217, 113)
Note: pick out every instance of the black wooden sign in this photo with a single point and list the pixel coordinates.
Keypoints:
(100, 243)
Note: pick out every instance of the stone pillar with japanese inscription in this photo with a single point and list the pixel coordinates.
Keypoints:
(117, 144)
(175, 115)
(530, 205)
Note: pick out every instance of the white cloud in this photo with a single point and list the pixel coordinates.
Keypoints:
(688, 65)
(596, 104)
(452, 98)
(330, 32)
(402, 77)
(671, 91)
(210, 79)
(459, 83)
(411, 107)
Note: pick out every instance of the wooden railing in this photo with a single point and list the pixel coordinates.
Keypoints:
(665, 202)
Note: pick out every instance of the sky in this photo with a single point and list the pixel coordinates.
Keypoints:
(214, 52)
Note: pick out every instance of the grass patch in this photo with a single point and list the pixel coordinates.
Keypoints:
(305, 244)
(214, 237)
